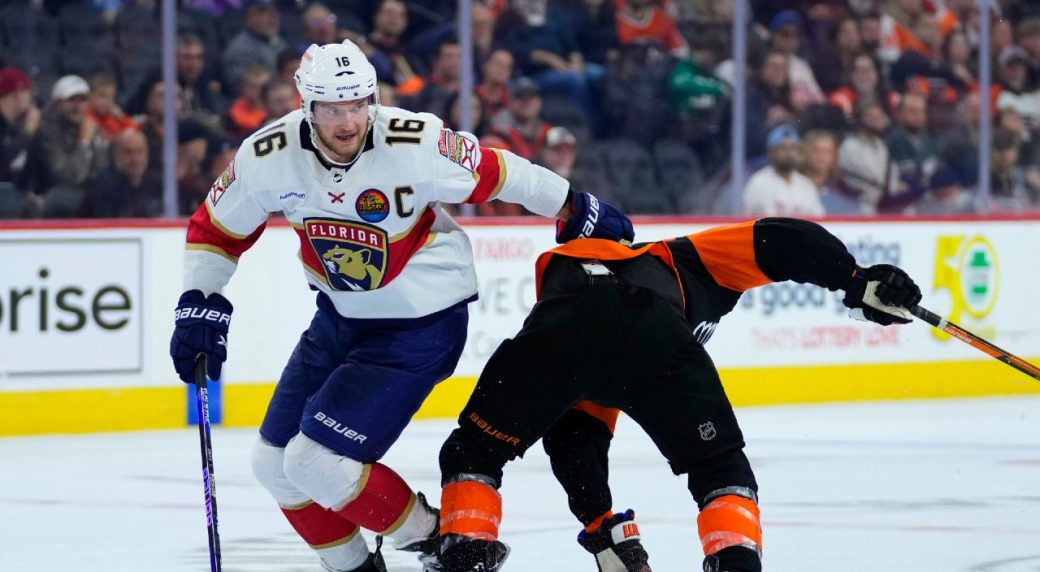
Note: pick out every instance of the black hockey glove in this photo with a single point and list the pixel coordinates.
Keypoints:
(882, 294)
(200, 326)
(593, 218)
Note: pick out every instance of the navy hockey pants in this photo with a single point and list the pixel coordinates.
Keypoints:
(353, 384)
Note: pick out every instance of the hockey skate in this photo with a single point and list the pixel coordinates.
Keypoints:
(733, 559)
(615, 544)
(427, 548)
(462, 554)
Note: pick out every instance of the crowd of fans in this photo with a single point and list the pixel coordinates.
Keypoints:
(854, 107)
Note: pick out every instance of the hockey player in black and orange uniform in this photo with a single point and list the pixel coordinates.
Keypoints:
(623, 327)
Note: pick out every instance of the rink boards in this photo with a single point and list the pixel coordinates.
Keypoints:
(85, 318)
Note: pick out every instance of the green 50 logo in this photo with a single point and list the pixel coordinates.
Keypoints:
(966, 268)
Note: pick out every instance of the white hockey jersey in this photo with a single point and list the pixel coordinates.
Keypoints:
(372, 236)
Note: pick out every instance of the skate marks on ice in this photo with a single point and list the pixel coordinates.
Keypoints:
(1021, 564)
(283, 552)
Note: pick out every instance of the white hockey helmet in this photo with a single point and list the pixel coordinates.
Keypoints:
(336, 72)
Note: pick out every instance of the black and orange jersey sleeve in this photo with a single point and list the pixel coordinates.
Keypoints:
(747, 255)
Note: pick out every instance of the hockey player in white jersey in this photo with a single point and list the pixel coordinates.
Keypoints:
(361, 185)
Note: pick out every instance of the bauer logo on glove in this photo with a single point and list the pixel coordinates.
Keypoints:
(593, 218)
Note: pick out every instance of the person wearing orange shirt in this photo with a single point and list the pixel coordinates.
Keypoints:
(646, 20)
(103, 109)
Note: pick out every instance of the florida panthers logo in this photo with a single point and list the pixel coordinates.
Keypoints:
(353, 264)
(352, 255)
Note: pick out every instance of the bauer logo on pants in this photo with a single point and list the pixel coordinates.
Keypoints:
(353, 255)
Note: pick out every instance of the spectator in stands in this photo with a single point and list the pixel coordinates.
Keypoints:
(287, 64)
(821, 160)
(1008, 189)
(957, 15)
(1002, 36)
(832, 65)
(865, 87)
(257, 44)
(126, 188)
(248, 113)
(1013, 78)
(778, 189)
(599, 31)
(915, 154)
(103, 110)
(768, 101)
(956, 51)
(959, 137)
(547, 50)
(946, 195)
(1029, 148)
(560, 151)
(921, 69)
(897, 25)
(19, 120)
(520, 124)
(201, 89)
(151, 122)
(863, 164)
(280, 97)
(192, 183)
(785, 34)
(870, 33)
(493, 89)
(443, 81)
(646, 20)
(389, 24)
(67, 149)
(1027, 35)
(452, 115)
(319, 26)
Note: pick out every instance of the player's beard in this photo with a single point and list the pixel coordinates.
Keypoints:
(339, 150)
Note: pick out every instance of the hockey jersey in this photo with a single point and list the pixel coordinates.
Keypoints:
(373, 236)
(705, 273)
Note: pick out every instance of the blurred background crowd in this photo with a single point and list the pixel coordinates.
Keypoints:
(853, 107)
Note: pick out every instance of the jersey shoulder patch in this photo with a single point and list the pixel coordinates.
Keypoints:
(460, 148)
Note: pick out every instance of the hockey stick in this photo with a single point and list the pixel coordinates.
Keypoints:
(208, 484)
(976, 342)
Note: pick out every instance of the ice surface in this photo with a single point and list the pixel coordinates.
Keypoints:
(919, 486)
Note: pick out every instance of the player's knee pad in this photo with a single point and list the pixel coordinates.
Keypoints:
(330, 479)
(269, 468)
(466, 453)
(731, 529)
(471, 506)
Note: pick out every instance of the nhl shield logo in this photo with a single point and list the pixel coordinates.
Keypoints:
(353, 254)
(707, 431)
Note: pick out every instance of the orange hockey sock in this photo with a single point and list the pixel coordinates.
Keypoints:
(730, 520)
(471, 508)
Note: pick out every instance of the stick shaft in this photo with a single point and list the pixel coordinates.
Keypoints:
(976, 342)
(208, 483)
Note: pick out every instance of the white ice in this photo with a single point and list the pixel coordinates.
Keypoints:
(917, 486)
